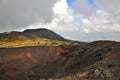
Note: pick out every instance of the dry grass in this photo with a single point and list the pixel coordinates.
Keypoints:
(21, 42)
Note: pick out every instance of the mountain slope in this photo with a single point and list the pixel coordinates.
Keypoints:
(42, 33)
(98, 60)
(31, 37)
(32, 34)
(93, 61)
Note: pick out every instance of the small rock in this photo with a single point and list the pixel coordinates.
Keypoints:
(97, 72)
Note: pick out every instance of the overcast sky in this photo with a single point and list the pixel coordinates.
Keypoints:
(84, 20)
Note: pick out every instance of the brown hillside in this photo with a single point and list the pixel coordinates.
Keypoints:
(98, 60)
(31, 37)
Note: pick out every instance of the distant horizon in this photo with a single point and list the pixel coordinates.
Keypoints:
(62, 36)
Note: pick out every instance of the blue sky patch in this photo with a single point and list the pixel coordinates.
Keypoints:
(77, 20)
(91, 3)
(71, 3)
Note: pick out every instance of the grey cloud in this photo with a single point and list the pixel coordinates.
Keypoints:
(17, 14)
(110, 22)
(82, 7)
(112, 7)
(104, 27)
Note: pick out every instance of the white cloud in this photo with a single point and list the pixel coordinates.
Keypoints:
(63, 19)
(95, 24)
(100, 22)
(60, 8)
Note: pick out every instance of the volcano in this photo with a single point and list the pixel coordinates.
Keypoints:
(41, 54)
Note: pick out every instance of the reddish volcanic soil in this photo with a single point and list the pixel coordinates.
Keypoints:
(98, 60)
(15, 63)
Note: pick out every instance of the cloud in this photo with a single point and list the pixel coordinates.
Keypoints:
(63, 19)
(98, 15)
(110, 5)
(100, 22)
(17, 14)
(84, 8)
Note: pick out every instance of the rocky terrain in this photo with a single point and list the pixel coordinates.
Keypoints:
(15, 63)
(98, 60)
